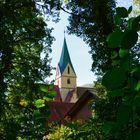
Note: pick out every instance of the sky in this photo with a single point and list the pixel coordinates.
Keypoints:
(78, 50)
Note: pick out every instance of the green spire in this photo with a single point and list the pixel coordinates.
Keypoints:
(65, 58)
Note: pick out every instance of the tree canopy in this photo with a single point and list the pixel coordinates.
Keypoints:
(93, 20)
(113, 39)
(24, 36)
(116, 115)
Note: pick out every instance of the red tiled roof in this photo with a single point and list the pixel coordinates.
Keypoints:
(79, 91)
(58, 110)
(63, 111)
(82, 90)
(80, 109)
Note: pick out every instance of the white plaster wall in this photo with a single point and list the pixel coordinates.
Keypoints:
(64, 83)
(61, 81)
(58, 77)
(65, 73)
(64, 93)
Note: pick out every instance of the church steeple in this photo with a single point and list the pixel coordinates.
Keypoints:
(65, 58)
(65, 73)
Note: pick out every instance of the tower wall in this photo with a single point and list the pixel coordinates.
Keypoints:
(66, 82)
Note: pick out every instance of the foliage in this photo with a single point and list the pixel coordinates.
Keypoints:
(93, 20)
(60, 132)
(24, 36)
(121, 80)
(136, 7)
(100, 89)
(116, 115)
(74, 131)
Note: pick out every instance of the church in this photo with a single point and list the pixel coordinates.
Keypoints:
(71, 102)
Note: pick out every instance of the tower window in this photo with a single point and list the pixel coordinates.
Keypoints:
(68, 70)
(68, 81)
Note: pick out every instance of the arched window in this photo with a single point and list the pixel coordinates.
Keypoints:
(68, 70)
(68, 81)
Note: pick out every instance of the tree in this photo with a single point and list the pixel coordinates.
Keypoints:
(122, 80)
(93, 20)
(24, 36)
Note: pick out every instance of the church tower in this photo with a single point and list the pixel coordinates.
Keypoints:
(65, 74)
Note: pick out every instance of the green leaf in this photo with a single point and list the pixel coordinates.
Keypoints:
(39, 116)
(114, 54)
(37, 113)
(137, 135)
(81, 134)
(108, 126)
(122, 12)
(47, 98)
(115, 62)
(123, 113)
(137, 100)
(129, 39)
(138, 86)
(137, 110)
(134, 23)
(52, 94)
(125, 63)
(129, 9)
(116, 93)
(114, 39)
(51, 87)
(43, 87)
(136, 73)
(117, 20)
(132, 83)
(130, 22)
(39, 103)
(114, 78)
(71, 125)
(123, 52)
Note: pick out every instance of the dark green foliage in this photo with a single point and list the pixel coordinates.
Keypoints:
(115, 93)
(123, 53)
(116, 115)
(133, 23)
(114, 39)
(122, 12)
(111, 81)
(24, 36)
(122, 81)
(93, 20)
(129, 37)
(107, 127)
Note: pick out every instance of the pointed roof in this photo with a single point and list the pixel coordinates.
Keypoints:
(65, 58)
